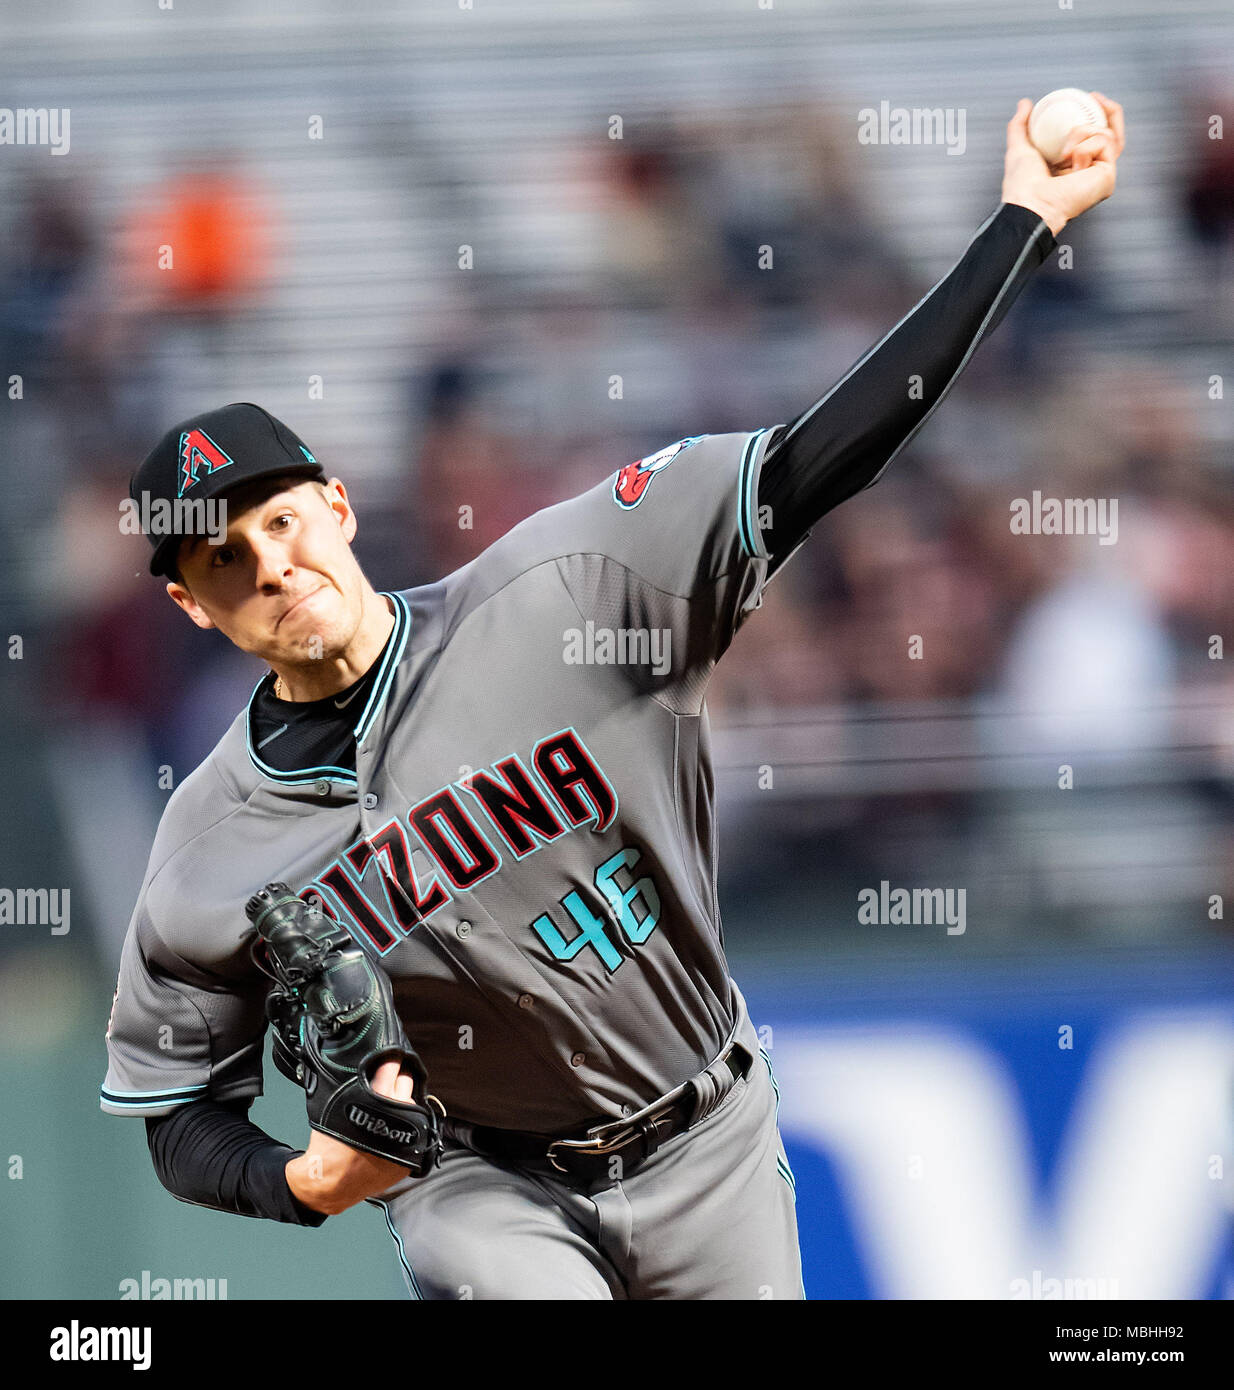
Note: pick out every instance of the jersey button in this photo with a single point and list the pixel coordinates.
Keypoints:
(321, 787)
(370, 800)
(525, 1001)
(578, 1059)
(463, 929)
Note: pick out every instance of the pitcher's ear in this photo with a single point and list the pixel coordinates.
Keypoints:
(182, 598)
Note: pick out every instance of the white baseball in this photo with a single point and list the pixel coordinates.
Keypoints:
(1057, 114)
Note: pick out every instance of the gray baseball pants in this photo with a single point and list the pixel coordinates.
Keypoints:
(710, 1215)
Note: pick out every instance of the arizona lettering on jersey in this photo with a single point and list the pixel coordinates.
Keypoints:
(517, 810)
(547, 915)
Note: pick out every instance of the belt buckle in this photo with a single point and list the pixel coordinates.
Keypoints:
(639, 1127)
(642, 1125)
(590, 1148)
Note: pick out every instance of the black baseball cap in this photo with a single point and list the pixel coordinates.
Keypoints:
(205, 456)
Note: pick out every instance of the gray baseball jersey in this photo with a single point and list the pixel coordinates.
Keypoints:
(528, 839)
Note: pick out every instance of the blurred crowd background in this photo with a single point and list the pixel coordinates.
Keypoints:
(408, 231)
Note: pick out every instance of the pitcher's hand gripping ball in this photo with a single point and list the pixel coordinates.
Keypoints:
(334, 1024)
(1057, 115)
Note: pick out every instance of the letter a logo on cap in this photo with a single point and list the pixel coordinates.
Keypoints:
(197, 449)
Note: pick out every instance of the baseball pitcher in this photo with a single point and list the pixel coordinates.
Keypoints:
(470, 885)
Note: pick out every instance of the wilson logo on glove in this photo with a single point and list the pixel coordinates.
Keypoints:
(333, 1021)
(376, 1125)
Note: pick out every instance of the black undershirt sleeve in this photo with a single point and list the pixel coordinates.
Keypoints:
(845, 440)
(211, 1155)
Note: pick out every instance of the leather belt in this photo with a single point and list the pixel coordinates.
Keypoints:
(631, 1140)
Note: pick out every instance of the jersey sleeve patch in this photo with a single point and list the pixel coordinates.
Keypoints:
(631, 483)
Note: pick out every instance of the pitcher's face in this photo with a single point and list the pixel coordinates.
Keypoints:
(283, 584)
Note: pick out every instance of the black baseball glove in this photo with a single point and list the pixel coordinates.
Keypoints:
(334, 1024)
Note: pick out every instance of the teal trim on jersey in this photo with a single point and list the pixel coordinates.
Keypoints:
(747, 521)
(304, 775)
(402, 1253)
(177, 1095)
(385, 676)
